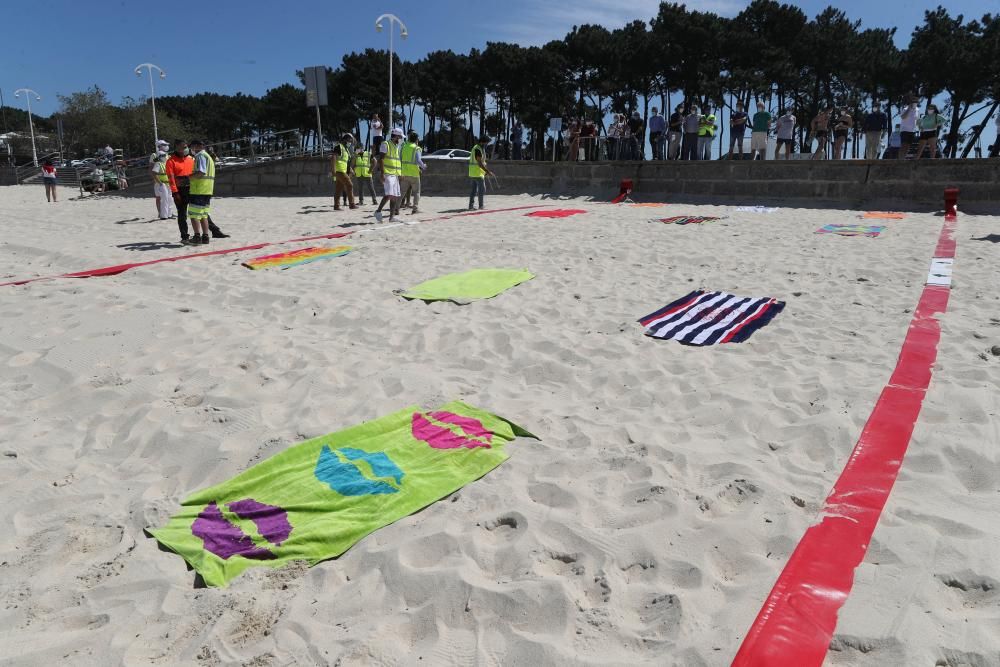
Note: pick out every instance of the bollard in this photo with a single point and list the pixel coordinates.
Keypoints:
(950, 202)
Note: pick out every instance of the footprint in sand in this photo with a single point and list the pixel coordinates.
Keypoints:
(24, 359)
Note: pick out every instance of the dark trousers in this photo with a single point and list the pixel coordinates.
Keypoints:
(181, 199)
(689, 147)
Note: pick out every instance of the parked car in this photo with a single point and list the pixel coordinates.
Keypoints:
(232, 162)
(448, 154)
(86, 163)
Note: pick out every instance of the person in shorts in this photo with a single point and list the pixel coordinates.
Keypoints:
(841, 127)
(821, 130)
(907, 129)
(49, 179)
(784, 128)
(760, 124)
(390, 163)
(930, 127)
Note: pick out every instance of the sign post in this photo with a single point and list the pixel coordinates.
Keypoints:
(555, 124)
(315, 78)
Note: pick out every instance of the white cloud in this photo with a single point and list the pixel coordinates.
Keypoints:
(541, 22)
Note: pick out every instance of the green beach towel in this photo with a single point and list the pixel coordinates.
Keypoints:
(316, 499)
(464, 287)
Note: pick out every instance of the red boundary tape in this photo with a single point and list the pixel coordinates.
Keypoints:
(121, 268)
(798, 619)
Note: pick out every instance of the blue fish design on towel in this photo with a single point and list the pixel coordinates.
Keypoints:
(339, 469)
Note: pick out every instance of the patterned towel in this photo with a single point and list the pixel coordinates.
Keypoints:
(687, 219)
(317, 498)
(708, 318)
(286, 260)
(555, 213)
(756, 209)
(852, 230)
(882, 215)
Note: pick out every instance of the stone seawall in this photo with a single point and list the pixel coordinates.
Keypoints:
(914, 185)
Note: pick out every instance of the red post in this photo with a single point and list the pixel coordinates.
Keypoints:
(950, 203)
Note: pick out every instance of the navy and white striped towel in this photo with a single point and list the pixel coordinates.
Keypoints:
(707, 318)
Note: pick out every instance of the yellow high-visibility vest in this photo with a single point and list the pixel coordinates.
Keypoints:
(409, 156)
(391, 163)
(203, 184)
(475, 171)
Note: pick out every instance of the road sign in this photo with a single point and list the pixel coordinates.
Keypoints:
(315, 78)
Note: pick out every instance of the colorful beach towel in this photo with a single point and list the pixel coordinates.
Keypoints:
(464, 287)
(286, 260)
(852, 230)
(316, 499)
(555, 213)
(882, 215)
(687, 219)
(708, 318)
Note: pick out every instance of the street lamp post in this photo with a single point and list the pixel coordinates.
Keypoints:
(28, 92)
(392, 18)
(152, 93)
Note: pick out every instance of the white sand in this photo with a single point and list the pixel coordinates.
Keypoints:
(650, 520)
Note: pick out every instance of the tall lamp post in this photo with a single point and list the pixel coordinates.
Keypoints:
(392, 18)
(152, 93)
(28, 92)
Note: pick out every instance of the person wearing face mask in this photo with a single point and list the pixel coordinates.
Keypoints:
(761, 124)
(478, 172)
(390, 163)
(342, 172)
(180, 164)
(161, 185)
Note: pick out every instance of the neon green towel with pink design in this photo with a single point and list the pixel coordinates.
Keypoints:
(316, 499)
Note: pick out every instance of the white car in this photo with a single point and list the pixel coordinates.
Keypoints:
(448, 154)
(233, 162)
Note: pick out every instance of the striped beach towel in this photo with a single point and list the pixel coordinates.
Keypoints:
(687, 219)
(286, 260)
(708, 318)
(882, 215)
(852, 230)
(555, 213)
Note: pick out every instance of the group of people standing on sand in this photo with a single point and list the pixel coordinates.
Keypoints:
(400, 164)
(186, 178)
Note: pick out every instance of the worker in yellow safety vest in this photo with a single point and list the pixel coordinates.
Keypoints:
(478, 172)
(363, 170)
(390, 165)
(706, 134)
(161, 185)
(202, 188)
(342, 172)
(412, 166)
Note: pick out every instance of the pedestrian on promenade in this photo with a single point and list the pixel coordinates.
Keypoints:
(784, 129)
(737, 131)
(930, 127)
(908, 128)
(875, 125)
(842, 125)
(820, 128)
(706, 134)
(675, 133)
(761, 125)
(657, 128)
(692, 123)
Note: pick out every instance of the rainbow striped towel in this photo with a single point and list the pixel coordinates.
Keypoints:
(286, 260)
(687, 219)
(852, 230)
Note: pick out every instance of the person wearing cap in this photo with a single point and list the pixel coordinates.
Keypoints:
(363, 170)
(161, 185)
(164, 148)
(478, 172)
(412, 166)
(391, 165)
(202, 188)
(179, 167)
(342, 172)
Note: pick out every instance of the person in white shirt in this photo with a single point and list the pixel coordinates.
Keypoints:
(908, 128)
(784, 128)
(375, 124)
(161, 186)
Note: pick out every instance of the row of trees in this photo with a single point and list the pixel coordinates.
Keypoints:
(769, 51)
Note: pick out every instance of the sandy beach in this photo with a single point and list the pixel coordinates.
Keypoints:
(646, 525)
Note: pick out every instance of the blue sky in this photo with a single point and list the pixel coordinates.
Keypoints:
(62, 46)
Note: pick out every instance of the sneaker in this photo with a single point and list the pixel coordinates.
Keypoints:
(336, 208)
(472, 208)
(352, 207)
(188, 241)
(374, 203)
(220, 235)
(204, 239)
(378, 215)
(414, 211)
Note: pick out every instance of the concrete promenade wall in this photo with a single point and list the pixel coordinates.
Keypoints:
(912, 185)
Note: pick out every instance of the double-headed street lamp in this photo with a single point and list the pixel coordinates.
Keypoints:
(28, 92)
(392, 18)
(152, 93)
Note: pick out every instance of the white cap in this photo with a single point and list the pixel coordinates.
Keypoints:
(397, 131)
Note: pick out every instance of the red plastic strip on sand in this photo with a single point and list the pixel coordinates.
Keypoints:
(798, 619)
(121, 268)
